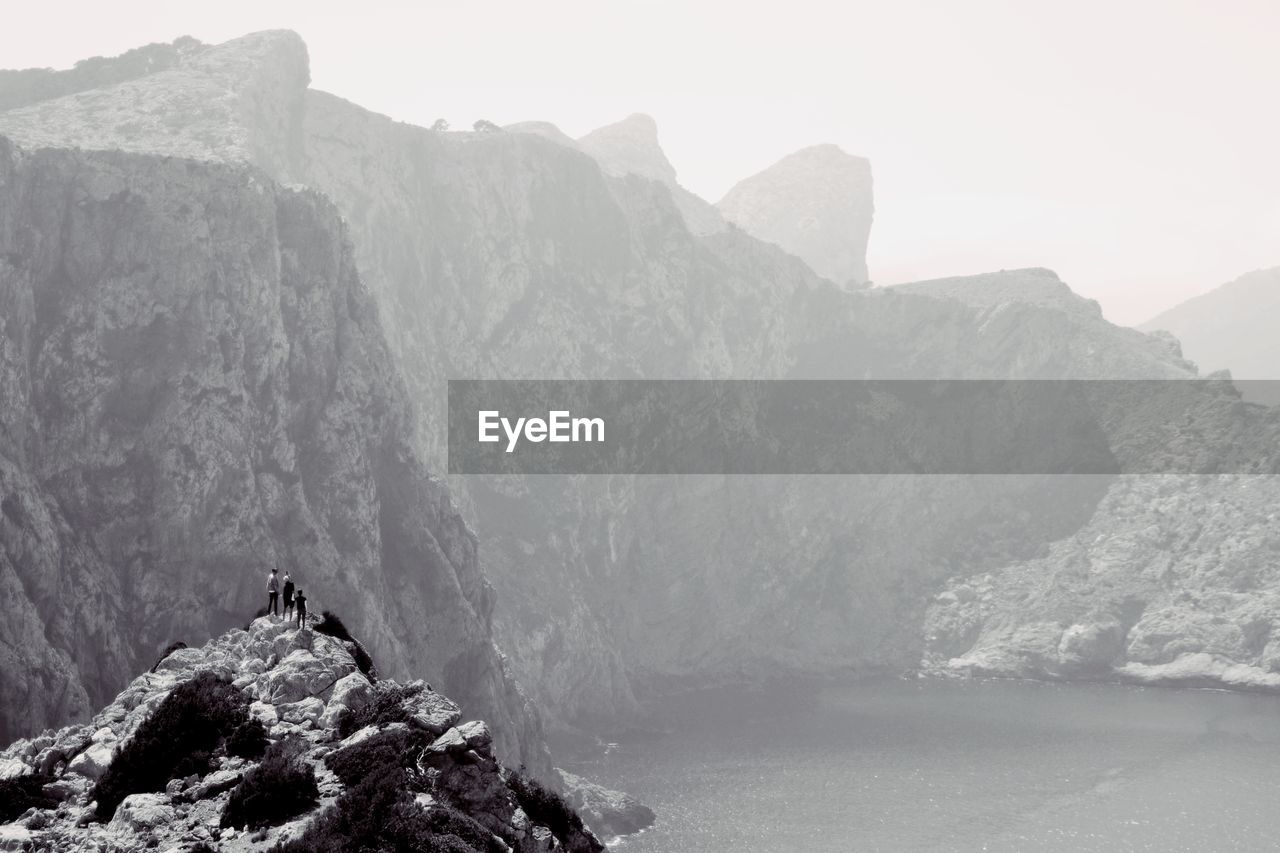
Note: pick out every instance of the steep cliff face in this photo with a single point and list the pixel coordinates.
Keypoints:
(197, 388)
(518, 255)
(509, 255)
(816, 204)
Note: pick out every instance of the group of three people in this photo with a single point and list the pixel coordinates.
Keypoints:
(293, 598)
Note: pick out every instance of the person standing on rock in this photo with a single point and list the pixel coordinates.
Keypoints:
(301, 601)
(288, 596)
(273, 593)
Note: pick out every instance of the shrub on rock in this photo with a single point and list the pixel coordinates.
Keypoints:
(545, 806)
(176, 740)
(330, 624)
(24, 792)
(276, 790)
(249, 740)
(379, 813)
(386, 706)
(383, 754)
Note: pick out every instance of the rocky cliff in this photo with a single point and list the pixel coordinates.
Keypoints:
(516, 254)
(816, 203)
(280, 736)
(196, 387)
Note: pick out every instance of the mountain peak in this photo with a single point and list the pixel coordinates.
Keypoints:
(816, 203)
(630, 146)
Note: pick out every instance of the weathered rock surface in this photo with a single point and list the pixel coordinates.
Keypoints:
(1174, 580)
(463, 769)
(194, 386)
(608, 813)
(817, 204)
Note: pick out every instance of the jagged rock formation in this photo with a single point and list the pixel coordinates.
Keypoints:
(303, 687)
(816, 203)
(516, 255)
(1230, 328)
(631, 147)
(196, 387)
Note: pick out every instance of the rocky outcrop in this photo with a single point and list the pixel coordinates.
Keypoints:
(608, 813)
(817, 204)
(1155, 588)
(457, 764)
(631, 147)
(196, 387)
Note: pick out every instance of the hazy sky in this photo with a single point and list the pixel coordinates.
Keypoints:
(1131, 145)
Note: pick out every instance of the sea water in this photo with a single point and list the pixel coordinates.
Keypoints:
(952, 766)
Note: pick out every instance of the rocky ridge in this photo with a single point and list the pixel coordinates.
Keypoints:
(298, 683)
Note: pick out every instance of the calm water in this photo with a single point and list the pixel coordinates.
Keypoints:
(906, 766)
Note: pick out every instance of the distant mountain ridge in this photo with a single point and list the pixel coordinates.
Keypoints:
(1232, 327)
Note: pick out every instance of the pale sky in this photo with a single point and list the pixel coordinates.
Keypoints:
(1131, 145)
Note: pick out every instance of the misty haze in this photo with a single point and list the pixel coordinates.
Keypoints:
(282, 567)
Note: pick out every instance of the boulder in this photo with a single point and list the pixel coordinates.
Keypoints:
(477, 735)
(213, 784)
(263, 713)
(369, 731)
(140, 813)
(351, 691)
(308, 709)
(94, 761)
(15, 837)
(11, 767)
(432, 712)
(451, 741)
(299, 676)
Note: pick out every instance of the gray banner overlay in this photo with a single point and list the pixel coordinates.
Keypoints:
(1001, 427)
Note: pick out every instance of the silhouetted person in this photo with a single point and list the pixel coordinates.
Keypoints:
(288, 596)
(273, 594)
(301, 601)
